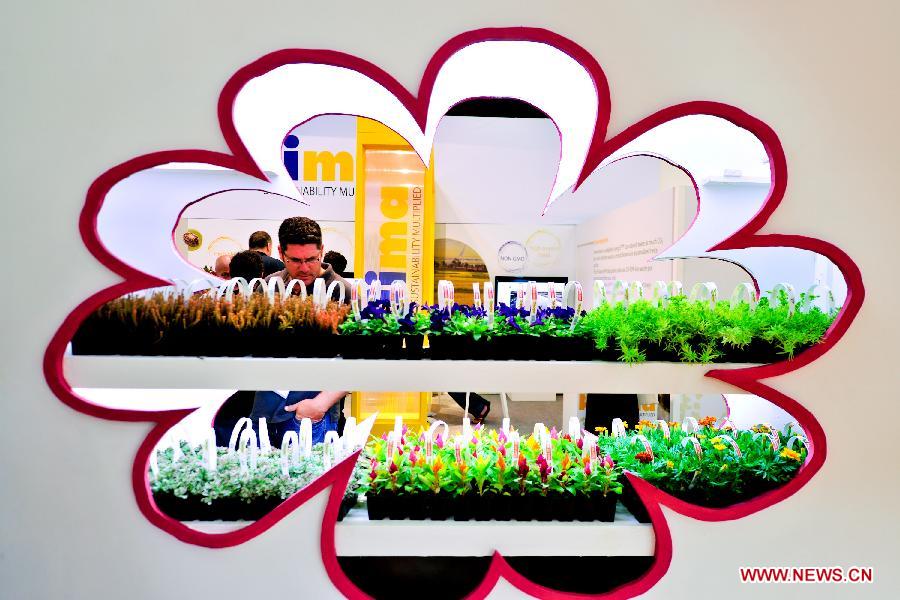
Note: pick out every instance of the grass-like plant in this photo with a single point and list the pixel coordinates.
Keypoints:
(172, 324)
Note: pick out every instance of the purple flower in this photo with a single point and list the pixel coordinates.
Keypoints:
(439, 318)
(506, 311)
(470, 311)
(514, 324)
(375, 309)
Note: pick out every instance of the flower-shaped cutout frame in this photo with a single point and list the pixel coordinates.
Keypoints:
(511, 53)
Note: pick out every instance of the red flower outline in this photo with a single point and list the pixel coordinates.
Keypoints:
(747, 379)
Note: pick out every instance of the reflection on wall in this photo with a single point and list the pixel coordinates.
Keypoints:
(461, 264)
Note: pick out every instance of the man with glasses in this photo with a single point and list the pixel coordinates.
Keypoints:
(300, 248)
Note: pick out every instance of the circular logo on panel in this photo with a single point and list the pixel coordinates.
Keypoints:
(512, 257)
(193, 239)
(544, 247)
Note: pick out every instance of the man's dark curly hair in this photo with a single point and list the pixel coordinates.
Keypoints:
(247, 264)
(299, 230)
(337, 261)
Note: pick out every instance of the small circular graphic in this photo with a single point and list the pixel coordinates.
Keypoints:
(544, 248)
(512, 256)
(193, 239)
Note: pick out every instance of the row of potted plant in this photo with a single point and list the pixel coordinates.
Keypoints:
(185, 488)
(714, 465)
(484, 475)
(487, 475)
(679, 329)
(160, 324)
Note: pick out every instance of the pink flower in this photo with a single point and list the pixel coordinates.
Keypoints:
(554, 434)
(439, 441)
(544, 468)
(580, 443)
(607, 462)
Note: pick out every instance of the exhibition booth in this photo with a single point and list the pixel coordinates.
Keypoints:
(609, 298)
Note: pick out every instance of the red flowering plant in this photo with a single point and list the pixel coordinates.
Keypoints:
(586, 148)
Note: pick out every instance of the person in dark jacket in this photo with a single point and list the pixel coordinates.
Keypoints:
(261, 243)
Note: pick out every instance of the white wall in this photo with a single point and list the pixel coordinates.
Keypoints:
(90, 85)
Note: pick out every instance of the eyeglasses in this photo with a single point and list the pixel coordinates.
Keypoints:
(302, 261)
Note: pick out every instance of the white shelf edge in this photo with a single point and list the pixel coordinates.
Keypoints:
(132, 372)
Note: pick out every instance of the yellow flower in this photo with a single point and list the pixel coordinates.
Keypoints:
(670, 464)
(723, 468)
(715, 440)
(700, 436)
(788, 453)
(719, 447)
(625, 424)
(532, 444)
(600, 430)
(674, 424)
